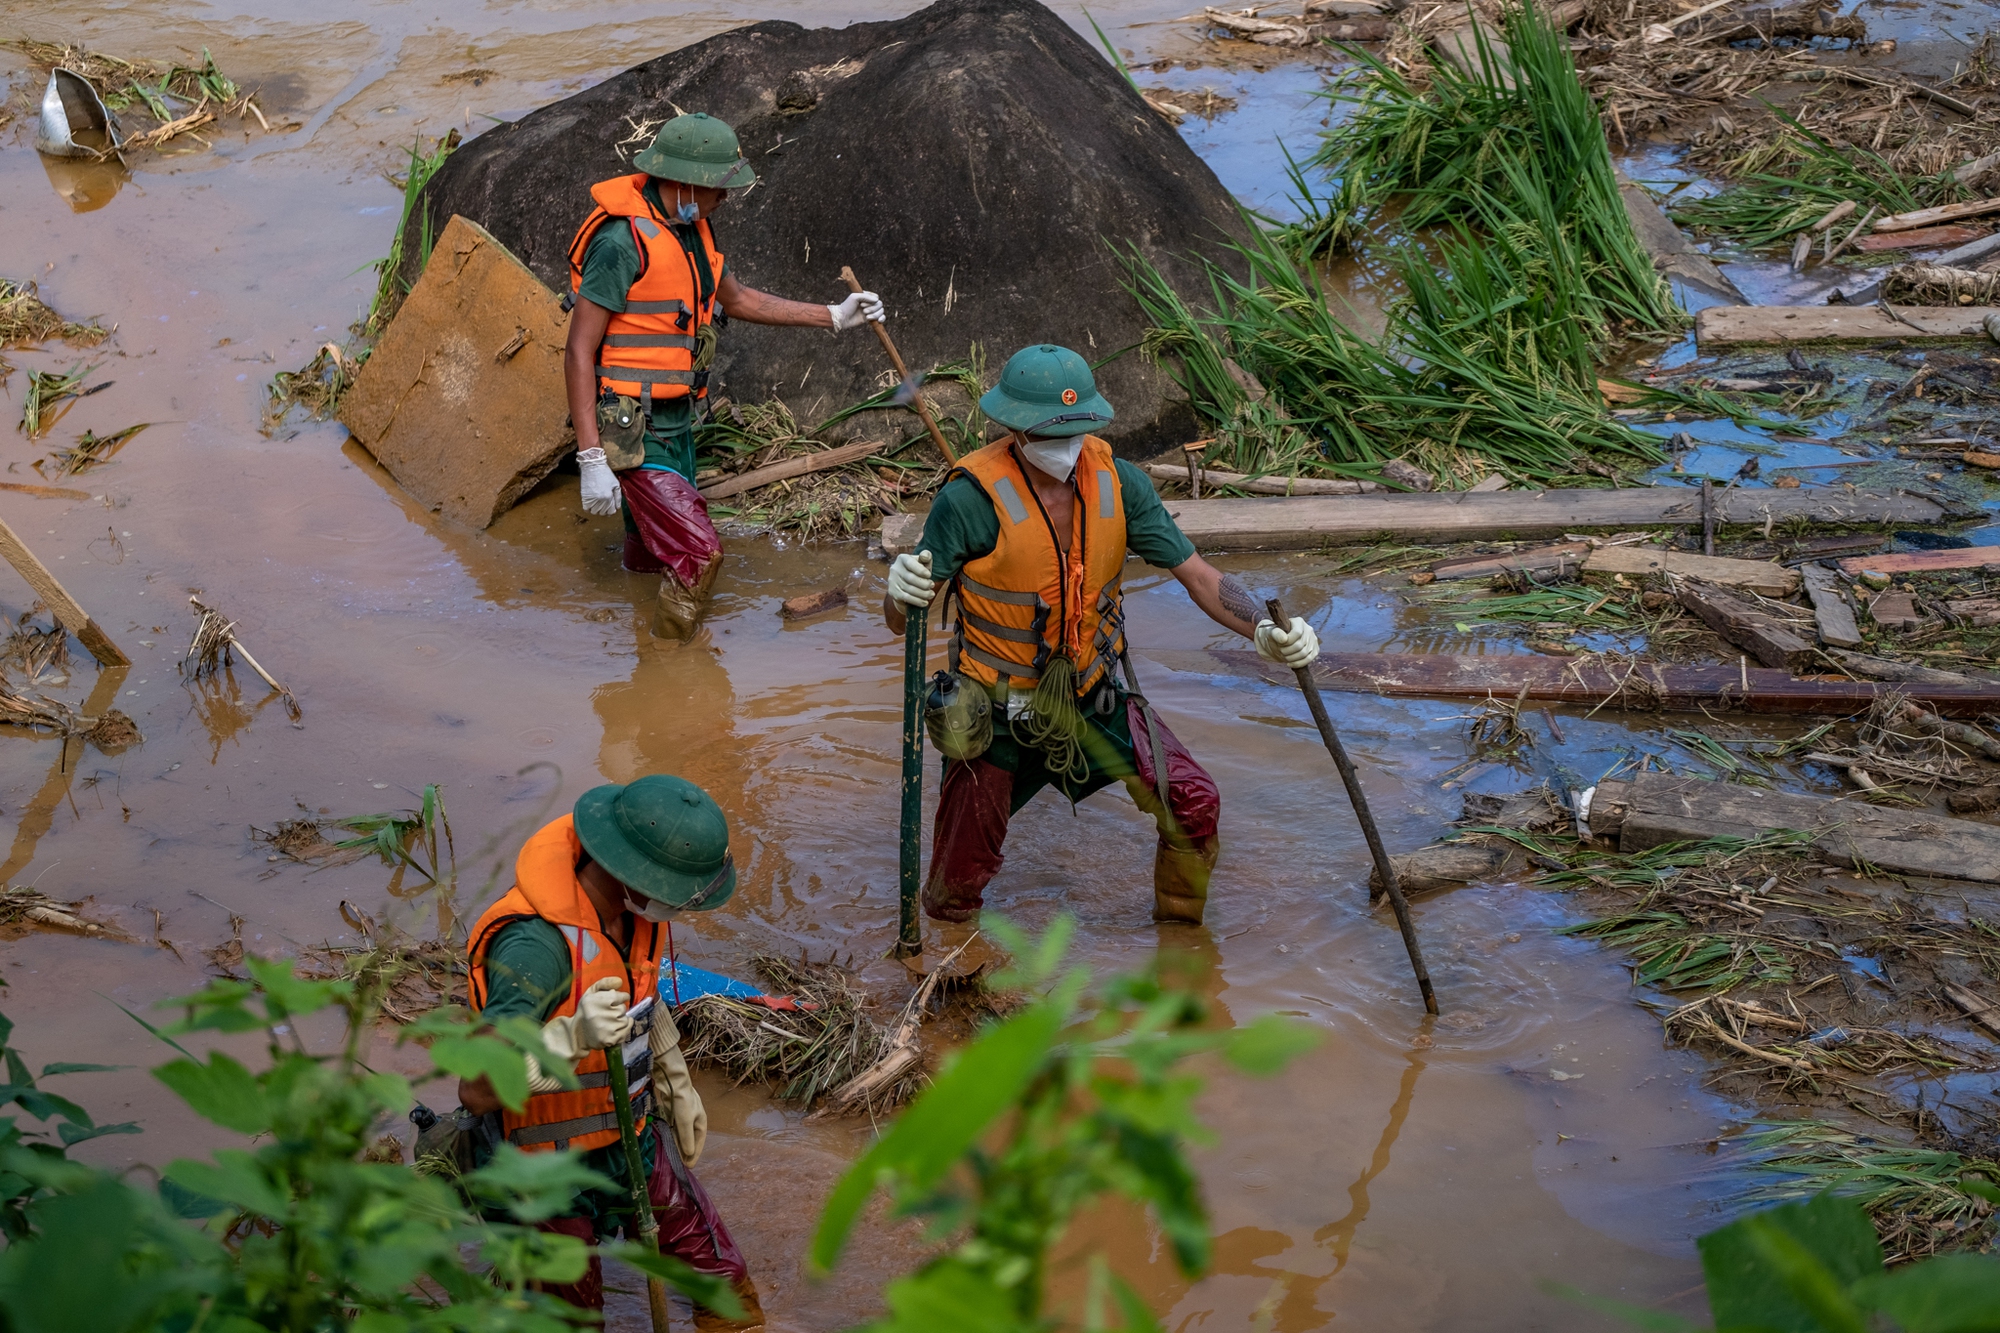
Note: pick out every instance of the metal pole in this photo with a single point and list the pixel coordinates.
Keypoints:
(1383, 868)
(909, 932)
(635, 1172)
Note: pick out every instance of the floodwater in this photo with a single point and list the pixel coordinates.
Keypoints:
(1408, 1174)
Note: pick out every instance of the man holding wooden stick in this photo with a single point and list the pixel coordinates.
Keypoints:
(574, 944)
(648, 292)
(1031, 535)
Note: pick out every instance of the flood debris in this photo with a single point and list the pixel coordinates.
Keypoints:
(25, 320)
(211, 648)
(46, 388)
(810, 604)
(20, 904)
(53, 595)
(316, 386)
(418, 839)
(87, 90)
(1923, 1200)
(803, 1052)
(464, 431)
(90, 450)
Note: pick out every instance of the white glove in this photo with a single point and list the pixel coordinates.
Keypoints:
(600, 1021)
(673, 1090)
(600, 487)
(910, 580)
(849, 313)
(1294, 647)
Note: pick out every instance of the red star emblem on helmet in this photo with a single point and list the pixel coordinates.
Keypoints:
(1069, 397)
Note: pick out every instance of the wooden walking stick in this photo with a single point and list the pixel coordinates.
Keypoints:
(896, 360)
(635, 1172)
(909, 931)
(1383, 868)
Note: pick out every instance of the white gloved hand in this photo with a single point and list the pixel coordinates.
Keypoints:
(600, 486)
(910, 580)
(1294, 647)
(559, 1035)
(601, 1021)
(850, 313)
(673, 1090)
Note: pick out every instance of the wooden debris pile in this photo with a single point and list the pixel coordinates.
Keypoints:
(180, 99)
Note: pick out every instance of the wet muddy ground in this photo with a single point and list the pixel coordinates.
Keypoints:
(1408, 1174)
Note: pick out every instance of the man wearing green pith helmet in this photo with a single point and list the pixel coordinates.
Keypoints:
(1030, 536)
(577, 945)
(649, 289)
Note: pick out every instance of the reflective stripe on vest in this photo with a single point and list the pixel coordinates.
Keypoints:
(1026, 601)
(648, 348)
(546, 887)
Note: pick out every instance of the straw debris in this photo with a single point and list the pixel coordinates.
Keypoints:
(91, 449)
(1923, 1200)
(210, 650)
(315, 386)
(179, 98)
(21, 907)
(25, 320)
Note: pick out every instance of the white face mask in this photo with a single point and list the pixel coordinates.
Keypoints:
(656, 912)
(1055, 457)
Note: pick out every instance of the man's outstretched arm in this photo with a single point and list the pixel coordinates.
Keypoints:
(1222, 596)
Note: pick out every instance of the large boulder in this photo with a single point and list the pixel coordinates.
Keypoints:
(976, 162)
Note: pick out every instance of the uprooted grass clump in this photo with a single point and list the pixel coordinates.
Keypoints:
(26, 319)
(418, 839)
(1922, 1200)
(181, 98)
(1529, 274)
(316, 386)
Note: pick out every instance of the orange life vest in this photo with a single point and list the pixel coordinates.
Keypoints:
(648, 348)
(546, 886)
(1027, 600)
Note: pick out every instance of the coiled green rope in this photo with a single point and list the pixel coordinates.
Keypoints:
(1054, 724)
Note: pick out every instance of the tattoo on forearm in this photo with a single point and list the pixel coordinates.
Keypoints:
(1236, 599)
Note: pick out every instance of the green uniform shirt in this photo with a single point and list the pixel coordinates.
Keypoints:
(962, 525)
(610, 267)
(528, 972)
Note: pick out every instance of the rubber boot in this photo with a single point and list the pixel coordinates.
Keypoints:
(981, 956)
(753, 1311)
(1180, 879)
(677, 614)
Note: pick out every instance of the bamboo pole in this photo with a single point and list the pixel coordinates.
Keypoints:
(896, 359)
(635, 1173)
(1383, 866)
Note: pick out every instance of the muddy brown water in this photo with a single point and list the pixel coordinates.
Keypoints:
(1407, 1174)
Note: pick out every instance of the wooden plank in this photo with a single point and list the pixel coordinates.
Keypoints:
(1662, 809)
(1931, 217)
(1756, 631)
(1264, 485)
(1496, 482)
(1978, 612)
(44, 492)
(1965, 557)
(1537, 560)
(1831, 610)
(1982, 1012)
(1922, 238)
(1729, 326)
(1308, 522)
(1897, 611)
(1760, 576)
(61, 605)
(786, 469)
(1643, 687)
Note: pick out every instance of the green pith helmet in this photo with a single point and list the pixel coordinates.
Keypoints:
(697, 149)
(662, 837)
(1047, 390)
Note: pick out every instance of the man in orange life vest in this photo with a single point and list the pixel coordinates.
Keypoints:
(576, 943)
(1031, 533)
(648, 288)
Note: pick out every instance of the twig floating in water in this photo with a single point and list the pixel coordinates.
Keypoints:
(209, 651)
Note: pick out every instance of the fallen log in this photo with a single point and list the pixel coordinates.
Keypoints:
(786, 469)
(1881, 668)
(1756, 631)
(1442, 865)
(1304, 523)
(1976, 612)
(1911, 562)
(1658, 809)
(1635, 686)
(1758, 576)
(1265, 485)
(1734, 326)
(1831, 610)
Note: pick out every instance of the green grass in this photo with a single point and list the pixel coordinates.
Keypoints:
(1669, 953)
(1921, 1200)
(390, 288)
(1791, 181)
(398, 836)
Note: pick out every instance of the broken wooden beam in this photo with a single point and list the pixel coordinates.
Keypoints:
(62, 606)
(1982, 1012)
(803, 465)
(1658, 809)
(1558, 559)
(1632, 686)
(1881, 668)
(1831, 610)
(1307, 522)
(1758, 632)
(1931, 217)
(1733, 326)
(1896, 611)
(1759, 576)
(1916, 562)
